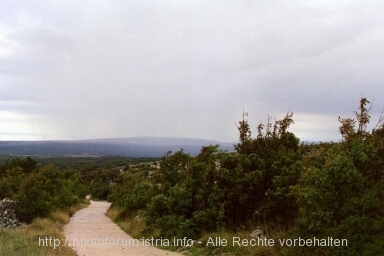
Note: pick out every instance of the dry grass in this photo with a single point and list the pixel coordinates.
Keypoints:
(61, 217)
(129, 224)
(25, 240)
(113, 213)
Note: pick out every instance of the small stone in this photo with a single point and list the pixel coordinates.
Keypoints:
(256, 233)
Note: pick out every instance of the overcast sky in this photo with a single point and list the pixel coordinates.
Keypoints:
(106, 69)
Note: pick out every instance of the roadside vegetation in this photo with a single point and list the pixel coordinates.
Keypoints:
(47, 195)
(46, 198)
(39, 191)
(272, 182)
(24, 240)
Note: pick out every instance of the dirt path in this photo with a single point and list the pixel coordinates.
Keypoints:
(91, 232)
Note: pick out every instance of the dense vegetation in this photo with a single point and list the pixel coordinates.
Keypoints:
(188, 195)
(39, 191)
(271, 181)
(341, 190)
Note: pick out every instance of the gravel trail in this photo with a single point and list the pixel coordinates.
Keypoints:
(91, 233)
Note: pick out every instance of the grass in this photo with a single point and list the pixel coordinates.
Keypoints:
(130, 224)
(127, 222)
(25, 240)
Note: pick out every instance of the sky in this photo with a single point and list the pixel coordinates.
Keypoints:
(107, 69)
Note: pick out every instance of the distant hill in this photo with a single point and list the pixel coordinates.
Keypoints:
(129, 147)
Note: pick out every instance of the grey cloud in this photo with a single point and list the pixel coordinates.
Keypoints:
(187, 69)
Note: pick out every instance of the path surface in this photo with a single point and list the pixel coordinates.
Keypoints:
(91, 233)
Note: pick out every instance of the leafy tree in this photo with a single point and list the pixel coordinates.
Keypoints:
(275, 155)
(244, 135)
(340, 192)
(140, 195)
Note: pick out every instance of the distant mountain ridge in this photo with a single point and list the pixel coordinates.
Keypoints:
(156, 141)
(129, 147)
